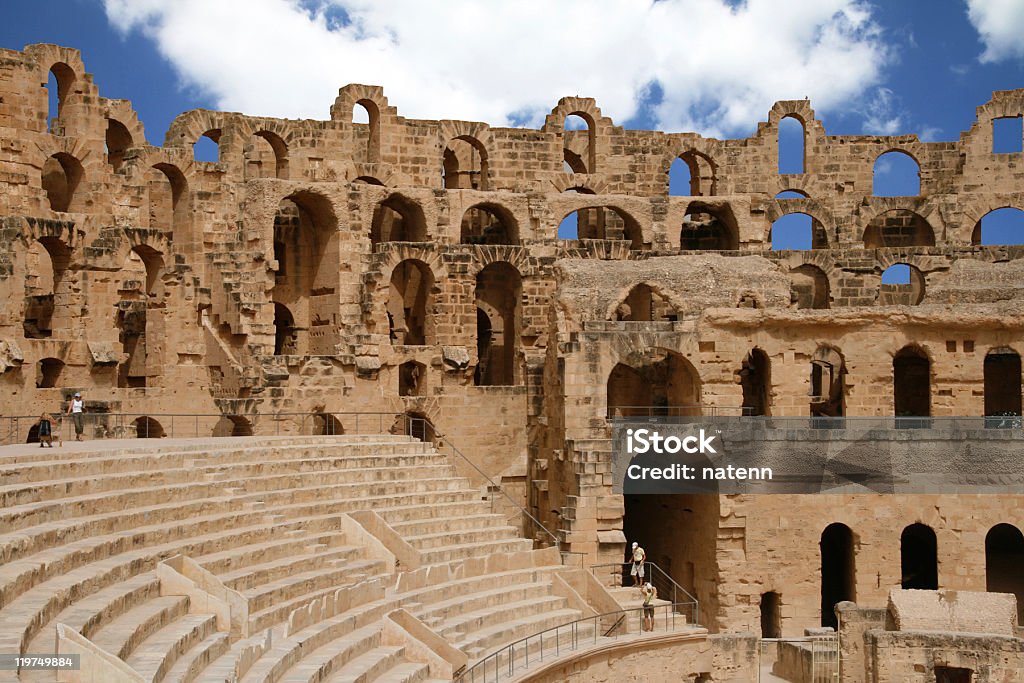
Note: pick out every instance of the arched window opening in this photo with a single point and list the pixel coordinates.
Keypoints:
(896, 174)
(325, 424)
(46, 262)
(601, 223)
(207, 147)
(919, 558)
(488, 224)
(828, 383)
(284, 331)
(266, 156)
(60, 81)
(771, 615)
(48, 372)
(412, 379)
(1003, 226)
(366, 117)
(578, 142)
(60, 176)
(1007, 135)
(1004, 558)
(368, 180)
(683, 179)
(166, 194)
(1002, 386)
(465, 164)
(659, 382)
(240, 426)
(756, 380)
(118, 140)
(898, 228)
(902, 285)
(838, 570)
(136, 290)
(708, 227)
(306, 230)
(148, 428)
(398, 219)
(809, 287)
(409, 304)
(644, 304)
(797, 232)
(911, 372)
(792, 145)
(499, 289)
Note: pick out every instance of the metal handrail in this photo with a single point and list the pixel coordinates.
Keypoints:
(659, 579)
(516, 656)
(443, 440)
(678, 411)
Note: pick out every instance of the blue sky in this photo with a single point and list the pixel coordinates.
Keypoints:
(914, 66)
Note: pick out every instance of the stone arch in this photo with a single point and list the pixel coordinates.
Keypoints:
(809, 286)
(64, 77)
(898, 228)
(580, 182)
(911, 154)
(188, 127)
(488, 223)
(266, 154)
(498, 298)
(1004, 557)
(365, 138)
(823, 223)
(911, 368)
(306, 249)
(48, 373)
(47, 259)
(461, 171)
(598, 219)
(61, 177)
(838, 547)
(755, 376)
(645, 301)
(703, 173)
(910, 293)
(168, 204)
(587, 109)
(148, 428)
(410, 304)
(117, 139)
(977, 234)
(790, 166)
(1002, 383)
(398, 218)
(656, 381)
(709, 227)
(666, 300)
(138, 279)
(828, 382)
(919, 558)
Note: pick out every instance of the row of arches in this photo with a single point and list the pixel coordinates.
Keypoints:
(919, 569)
(664, 382)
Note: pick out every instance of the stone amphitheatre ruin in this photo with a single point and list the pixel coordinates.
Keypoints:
(371, 307)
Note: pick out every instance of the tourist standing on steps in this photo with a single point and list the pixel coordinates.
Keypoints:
(45, 432)
(649, 594)
(75, 409)
(637, 571)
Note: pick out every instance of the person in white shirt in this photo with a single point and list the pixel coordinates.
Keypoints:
(637, 570)
(75, 408)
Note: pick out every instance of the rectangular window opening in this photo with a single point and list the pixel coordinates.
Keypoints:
(1008, 135)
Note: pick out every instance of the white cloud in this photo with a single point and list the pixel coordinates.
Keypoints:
(882, 112)
(1000, 24)
(720, 67)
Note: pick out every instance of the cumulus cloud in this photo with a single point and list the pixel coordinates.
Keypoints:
(882, 112)
(1000, 24)
(718, 65)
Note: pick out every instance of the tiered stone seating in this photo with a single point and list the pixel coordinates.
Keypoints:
(84, 530)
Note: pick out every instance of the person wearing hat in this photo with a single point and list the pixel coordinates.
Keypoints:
(75, 409)
(637, 571)
(648, 592)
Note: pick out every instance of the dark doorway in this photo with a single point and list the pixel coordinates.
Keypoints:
(911, 376)
(1002, 383)
(919, 558)
(838, 570)
(756, 380)
(1004, 563)
(771, 615)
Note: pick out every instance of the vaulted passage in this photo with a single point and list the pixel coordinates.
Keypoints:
(137, 297)
(398, 219)
(46, 291)
(919, 558)
(771, 615)
(409, 301)
(828, 383)
(1002, 383)
(658, 382)
(756, 380)
(911, 374)
(498, 295)
(488, 224)
(709, 227)
(1004, 563)
(898, 228)
(838, 570)
(306, 281)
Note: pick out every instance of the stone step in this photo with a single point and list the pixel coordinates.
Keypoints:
(254, 575)
(121, 636)
(479, 644)
(437, 613)
(471, 536)
(292, 586)
(407, 672)
(467, 623)
(233, 560)
(333, 656)
(197, 658)
(455, 552)
(368, 666)
(155, 656)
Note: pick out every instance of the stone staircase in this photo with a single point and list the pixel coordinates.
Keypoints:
(84, 530)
